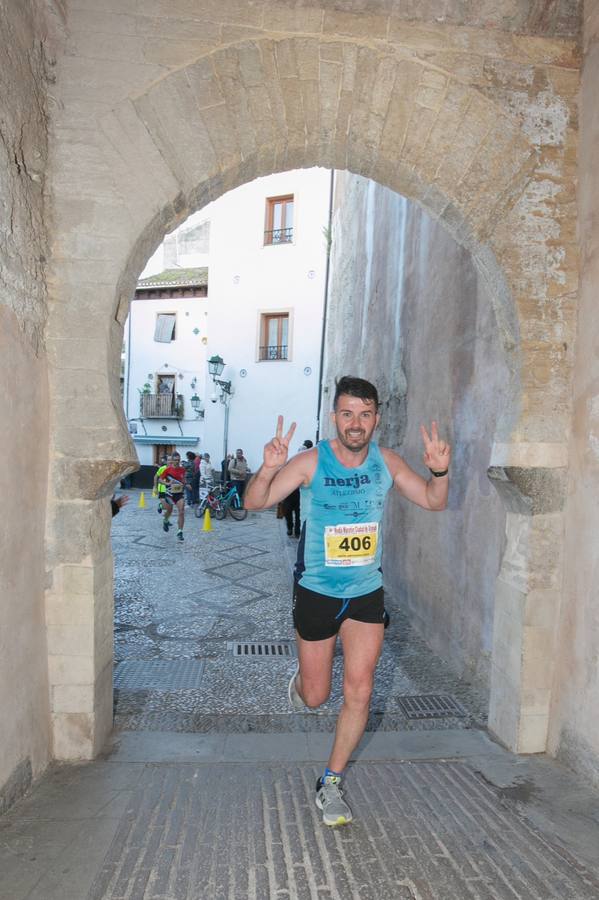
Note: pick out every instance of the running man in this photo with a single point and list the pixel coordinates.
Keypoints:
(173, 477)
(159, 486)
(338, 579)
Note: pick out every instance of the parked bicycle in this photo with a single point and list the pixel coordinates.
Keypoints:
(231, 502)
(209, 500)
(221, 500)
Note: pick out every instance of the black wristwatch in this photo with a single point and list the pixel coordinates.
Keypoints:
(438, 474)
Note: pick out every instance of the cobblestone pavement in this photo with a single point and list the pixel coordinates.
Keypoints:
(423, 831)
(439, 814)
(189, 601)
(232, 817)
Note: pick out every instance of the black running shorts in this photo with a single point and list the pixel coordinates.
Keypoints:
(317, 617)
(172, 499)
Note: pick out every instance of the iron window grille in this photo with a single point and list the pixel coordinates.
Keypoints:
(273, 352)
(279, 236)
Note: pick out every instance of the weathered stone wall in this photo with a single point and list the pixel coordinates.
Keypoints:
(162, 105)
(575, 725)
(409, 311)
(25, 731)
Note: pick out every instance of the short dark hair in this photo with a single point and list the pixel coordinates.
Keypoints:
(308, 444)
(190, 455)
(355, 387)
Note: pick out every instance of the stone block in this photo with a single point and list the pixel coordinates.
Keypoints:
(91, 79)
(171, 54)
(204, 84)
(538, 642)
(542, 608)
(85, 479)
(339, 22)
(538, 672)
(112, 44)
(76, 353)
(170, 113)
(304, 19)
(128, 138)
(64, 669)
(103, 706)
(73, 736)
(532, 734)
(504, 709)
(72, 698)
(400, 108)
(69, 609)
(536, 701)
(70, 640)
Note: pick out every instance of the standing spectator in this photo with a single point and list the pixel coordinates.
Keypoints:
(291, 504)
(238, 471)
(195, 484)
(117, 503)
(224, 468)
(188, 465)
(206, 472)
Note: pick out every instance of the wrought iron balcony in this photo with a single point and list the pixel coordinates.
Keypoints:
(279, 236)
(273, 352)
(161, 406)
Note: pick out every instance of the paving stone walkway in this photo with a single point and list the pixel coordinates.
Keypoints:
(189, 602)
(187, 804)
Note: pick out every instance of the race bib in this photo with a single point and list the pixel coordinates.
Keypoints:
(350, 545)
(175, 487)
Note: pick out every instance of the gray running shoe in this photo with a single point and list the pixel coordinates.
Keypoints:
(329, 798)
(295, 701)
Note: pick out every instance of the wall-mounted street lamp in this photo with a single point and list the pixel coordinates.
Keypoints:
(216, 364)
(196, 405)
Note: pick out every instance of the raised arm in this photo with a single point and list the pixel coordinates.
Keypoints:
(432, 493)
(276, 478)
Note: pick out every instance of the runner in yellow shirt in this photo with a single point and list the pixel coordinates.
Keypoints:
(159, 486)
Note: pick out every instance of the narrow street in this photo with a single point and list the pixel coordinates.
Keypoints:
(188, 604)
(187, 804)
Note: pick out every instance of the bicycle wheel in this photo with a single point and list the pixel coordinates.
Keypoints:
(236, 509)
(219, 510)
(198, 510)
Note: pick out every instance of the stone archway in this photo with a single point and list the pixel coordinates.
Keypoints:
(400, 108)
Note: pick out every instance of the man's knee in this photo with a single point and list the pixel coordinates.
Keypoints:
(357, 690)
(314, 695)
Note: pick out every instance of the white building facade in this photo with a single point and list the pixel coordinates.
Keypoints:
(264, 246)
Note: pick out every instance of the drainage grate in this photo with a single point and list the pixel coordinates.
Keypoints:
(431, 706)
(263, 649)
(159, 674)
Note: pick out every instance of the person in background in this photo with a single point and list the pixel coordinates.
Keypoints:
(117, 503)
(224, 468)
(291, 504)
(188, 465)
(174, 478)
(195, 483)
(238, 471)
(159, 486)
(206, 472)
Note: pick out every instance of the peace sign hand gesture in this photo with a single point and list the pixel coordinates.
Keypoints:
(437, 453)
(277, 450)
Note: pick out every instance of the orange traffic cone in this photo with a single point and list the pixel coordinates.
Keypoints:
(207, 521)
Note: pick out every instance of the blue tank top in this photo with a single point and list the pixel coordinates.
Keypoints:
(340, 548)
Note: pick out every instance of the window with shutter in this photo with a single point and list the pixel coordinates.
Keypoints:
(164, 332)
